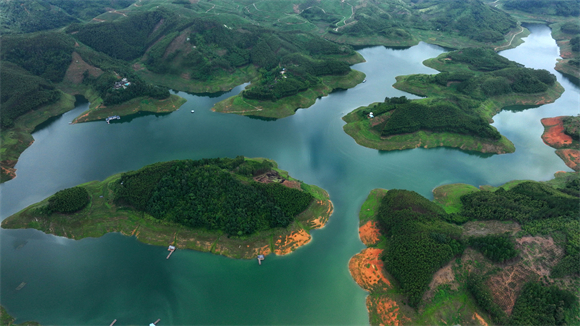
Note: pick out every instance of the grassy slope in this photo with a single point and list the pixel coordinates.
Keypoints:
(102, 216)
(287, 106)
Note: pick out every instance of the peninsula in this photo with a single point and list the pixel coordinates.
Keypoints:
(239, 208)
(471, 256)
(562, 133)
(473, 85)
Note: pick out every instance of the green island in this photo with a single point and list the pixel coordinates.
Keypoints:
(240, 208)
(473, 85)
(7, 320)
(506, 255)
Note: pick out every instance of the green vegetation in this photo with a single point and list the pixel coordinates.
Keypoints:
(572, 126)
(544, 305)
(497, 248)
(545, 7)
(68, 200)
(474, 84)
(420, 241)
(480, 292)
(417, 241)
(206, 194)
(540, 209)
(26, 16)
(122, 203)
(7, 320)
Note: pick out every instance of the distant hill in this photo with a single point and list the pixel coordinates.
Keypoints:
(26, 16)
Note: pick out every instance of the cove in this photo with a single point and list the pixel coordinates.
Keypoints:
(94, 281)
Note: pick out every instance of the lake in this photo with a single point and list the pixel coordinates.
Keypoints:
(94, 281)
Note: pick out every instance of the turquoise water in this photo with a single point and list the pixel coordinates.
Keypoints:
(94, 281)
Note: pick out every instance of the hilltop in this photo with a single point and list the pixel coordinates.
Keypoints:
(488, 256)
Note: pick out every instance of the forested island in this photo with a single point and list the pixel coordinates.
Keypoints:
(563, 133)
(505, 255)
(473, 85)
(238, 207)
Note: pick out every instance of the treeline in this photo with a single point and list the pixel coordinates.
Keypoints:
(420, 242)
(137, 88)
(497, 248)
(213, 48)
(22, 92)
(441, 116)
(27, 16)
(572, 126)
(127, 38)
(472, 19)
(46, 54)
(68, 200)
(542, 305)
(215, 194)
(540, 209)
(483, 298)
(482, 59)
(564, 8)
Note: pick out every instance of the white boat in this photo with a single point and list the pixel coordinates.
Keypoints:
(192, 111)
(364, 81)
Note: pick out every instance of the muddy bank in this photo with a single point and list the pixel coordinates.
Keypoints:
(555, 137)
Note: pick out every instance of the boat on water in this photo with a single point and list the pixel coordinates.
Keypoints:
(192, 111)
(113, 117)
(364, 81)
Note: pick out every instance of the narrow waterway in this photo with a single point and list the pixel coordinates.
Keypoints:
(94, 281)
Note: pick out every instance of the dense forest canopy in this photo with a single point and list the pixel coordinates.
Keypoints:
(68, 200)
(540, 209)
(216, 194)
(22, 92)
(468, 77)
(420, 241)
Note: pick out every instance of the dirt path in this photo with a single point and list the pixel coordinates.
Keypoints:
(510, 43)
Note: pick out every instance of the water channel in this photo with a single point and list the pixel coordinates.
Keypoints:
(93, 281)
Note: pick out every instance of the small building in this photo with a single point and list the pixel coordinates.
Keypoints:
(371, 115)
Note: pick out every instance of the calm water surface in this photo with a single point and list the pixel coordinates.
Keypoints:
(94, 281)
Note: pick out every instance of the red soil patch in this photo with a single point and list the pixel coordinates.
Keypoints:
(571, 157)
(320, 221)
(289, 243)
(387, 310)
(366, 268)
(369, 233)
(479, 319)
(538, 256)
(273, 176)
(554, 135)
(10, 172)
